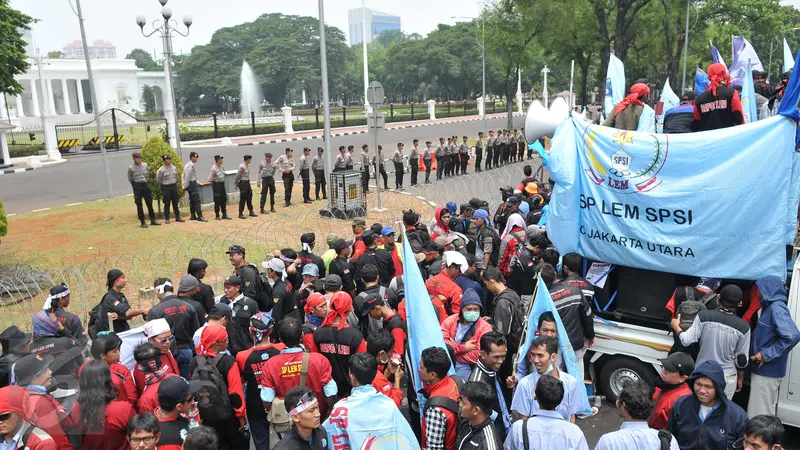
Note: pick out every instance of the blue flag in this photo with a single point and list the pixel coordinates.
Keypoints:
(788, 59)
(700, 81)
(542, 302)
(615, 84)
(423, 324)
(672, 203)
(749, 97)
(716, 56)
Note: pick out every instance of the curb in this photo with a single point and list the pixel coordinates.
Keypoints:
(10, 171)
(347, 133)
(27, 169)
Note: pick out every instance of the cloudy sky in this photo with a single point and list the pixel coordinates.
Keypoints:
(115, 20)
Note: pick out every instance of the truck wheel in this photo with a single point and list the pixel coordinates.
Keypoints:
(619, 371)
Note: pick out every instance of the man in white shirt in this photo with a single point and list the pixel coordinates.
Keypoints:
(635, 404)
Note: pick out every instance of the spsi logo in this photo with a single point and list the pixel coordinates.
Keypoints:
(615, 168)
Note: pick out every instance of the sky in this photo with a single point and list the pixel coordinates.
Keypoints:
(115, 20)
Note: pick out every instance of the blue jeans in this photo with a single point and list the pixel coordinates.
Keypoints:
(259, 429)
(184, 357)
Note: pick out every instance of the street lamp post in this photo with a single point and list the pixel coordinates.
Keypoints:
(686, 44)
(166, 27)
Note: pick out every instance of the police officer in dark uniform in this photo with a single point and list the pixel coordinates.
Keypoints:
(318, 167)
(217, 179)
(189, 182)
(242, 182)
(266, 176)
(137, 177)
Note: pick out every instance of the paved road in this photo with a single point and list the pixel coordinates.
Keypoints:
(82, 178)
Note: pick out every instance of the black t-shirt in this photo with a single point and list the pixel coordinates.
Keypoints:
(198, 308)
(381, 259)
(345, 271)
(114, 302)
(173, 432)
(338, 345)
(254, 362)
(310, 258)
(285, 302)
(181, 317)
(205, 296)
(71, 323)
(239, 327)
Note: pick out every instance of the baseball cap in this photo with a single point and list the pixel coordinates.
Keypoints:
(371, 301)
(173, 390)
(13, 338)
(311, 269)
(232, 280)
(221, 309)
(137, 155)
(387, 231)
(28, 367)
(341, 244)
(359, 222)
(443, 241)
(367, 234)
(333, 282)
(511, 201)
(688, 96)
(678, 362)
(235, 249)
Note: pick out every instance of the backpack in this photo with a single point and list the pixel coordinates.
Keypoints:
(212, 397)
(690, 308)
(277, 415)
(495, 244)
(522, 261)
(262, 290)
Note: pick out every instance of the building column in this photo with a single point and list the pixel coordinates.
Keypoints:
(19, 108)
(67, 106)
(81, 106)
(35, 99)
(51, 98)
(5, 157)
(3, 115)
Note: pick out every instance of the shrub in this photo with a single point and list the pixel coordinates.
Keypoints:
(3, 221)
(151, 154)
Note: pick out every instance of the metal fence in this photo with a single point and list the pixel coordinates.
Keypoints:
(120, 131)
(24, 142)
(23, 289)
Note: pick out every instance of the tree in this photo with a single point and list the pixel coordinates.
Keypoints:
(149, 100)
(13, 57)
(55, 54)
(151, 154)
(3, 221)
(144, 60)
(388, 38)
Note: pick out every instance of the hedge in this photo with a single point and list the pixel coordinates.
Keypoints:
(151, 154)
(3, 221)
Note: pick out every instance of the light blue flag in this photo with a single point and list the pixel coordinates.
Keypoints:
(536, 145)
(615, 84)
(743, 52)
(715, 56)
(647, 121)
(680, 203)
(700, 81)
(542, 302)
(788, 59)
(669, 100)
(368, 420)
(749, 97)
(423, 324)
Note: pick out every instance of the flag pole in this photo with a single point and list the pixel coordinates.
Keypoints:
(525, 326)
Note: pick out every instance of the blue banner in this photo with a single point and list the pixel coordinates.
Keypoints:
(423, 324)
(713, 204)
(542, 302)
(700, 81)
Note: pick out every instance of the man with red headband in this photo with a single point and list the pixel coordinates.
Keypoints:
(337, 341)
(719, 106)
(221, 399)
(15, 432)
(627, 112)
(316, 309)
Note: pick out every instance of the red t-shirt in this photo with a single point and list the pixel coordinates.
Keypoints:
(282, 373)
(443, 285)
(385, 387)
(148, 401)
(114, 434)
(47, 413)
(123, 380)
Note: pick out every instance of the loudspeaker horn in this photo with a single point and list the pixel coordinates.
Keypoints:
(540, 122)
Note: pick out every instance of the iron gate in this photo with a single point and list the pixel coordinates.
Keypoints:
(120, 131)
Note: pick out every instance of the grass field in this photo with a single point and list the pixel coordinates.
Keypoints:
(79, 244)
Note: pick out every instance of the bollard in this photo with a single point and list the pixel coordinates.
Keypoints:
(216, 128)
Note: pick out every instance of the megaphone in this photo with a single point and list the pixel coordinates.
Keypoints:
(540, 122)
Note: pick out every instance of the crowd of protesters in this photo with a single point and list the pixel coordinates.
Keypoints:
(309, 333)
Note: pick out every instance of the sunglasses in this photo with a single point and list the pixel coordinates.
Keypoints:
(4, 417)
(167, 340)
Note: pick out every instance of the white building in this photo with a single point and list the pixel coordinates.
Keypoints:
(376, 22)
(98, 50)
(64, 91)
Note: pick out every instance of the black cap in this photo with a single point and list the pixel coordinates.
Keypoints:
(687, 96)
(511, 201)
(371, 301)
(308, 238)
(341, 244)
(222, 309)
(367, 234)
(193, 154)
(12, 338)
(320, 149)
(333, 282)
(173, 390)
(137, 155)
(232, 280)
(235, 249)
(218, 157)
(268, 155)
(678, 362)
(248, 157)
(166, 157)
(27, 368)
(376, 228)
(730, 296)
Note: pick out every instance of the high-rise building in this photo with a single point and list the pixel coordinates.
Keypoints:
(98, 50)
(376, 23)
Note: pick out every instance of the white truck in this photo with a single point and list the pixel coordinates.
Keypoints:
(624, 352)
